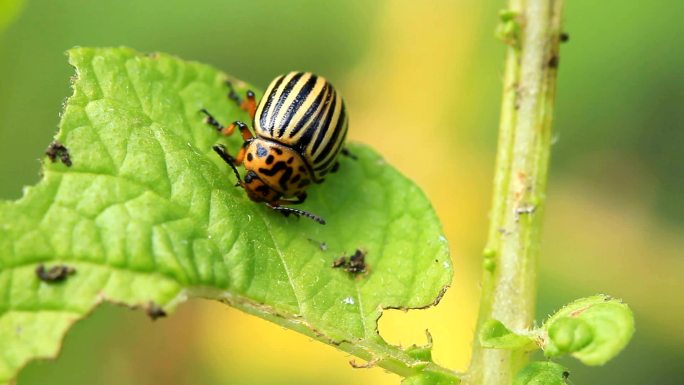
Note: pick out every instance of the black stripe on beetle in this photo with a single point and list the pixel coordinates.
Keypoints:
(269, 100)
(281, 99)
(309, 114)
(297, 104)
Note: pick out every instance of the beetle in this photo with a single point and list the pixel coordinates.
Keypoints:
(300, 124)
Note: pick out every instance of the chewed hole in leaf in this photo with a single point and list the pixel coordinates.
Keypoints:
(426, 332)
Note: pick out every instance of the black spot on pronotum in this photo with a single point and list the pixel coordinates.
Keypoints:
(263, 189)
(154, 311)
(261, 151)
(278, 151)
(250, 157)
(269, 159)
(280, 165)
(57, 150)
(289, 161)
(57, 273)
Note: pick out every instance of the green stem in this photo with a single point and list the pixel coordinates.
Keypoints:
(509, 281)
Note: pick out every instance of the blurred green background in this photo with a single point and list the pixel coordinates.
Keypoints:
(422, 81)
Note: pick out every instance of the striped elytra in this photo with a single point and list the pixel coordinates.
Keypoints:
(304, 112)
(300, 125)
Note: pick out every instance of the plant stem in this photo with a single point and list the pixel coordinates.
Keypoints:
(509, 281)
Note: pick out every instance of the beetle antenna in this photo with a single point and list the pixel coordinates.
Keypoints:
(221, 151)
(297, 212)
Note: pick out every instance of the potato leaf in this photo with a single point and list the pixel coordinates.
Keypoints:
(137, 209)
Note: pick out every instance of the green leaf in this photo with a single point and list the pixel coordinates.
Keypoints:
(541, 373)
(147, 216)
(494, 335)
(593, 329)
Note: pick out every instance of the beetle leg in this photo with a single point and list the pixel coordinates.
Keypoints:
(248, 104)
(210, 120)
(221, 151)
(244, 131)
(227, 131)
(346, 152)
(232, 95)
(240, 157)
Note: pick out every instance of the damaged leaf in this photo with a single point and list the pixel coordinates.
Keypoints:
(148, 216)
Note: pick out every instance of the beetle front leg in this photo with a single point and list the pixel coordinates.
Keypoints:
(223, 153)
(244, 131)
(344, 151)
(227, 131)
(248, 105)
(210, 120)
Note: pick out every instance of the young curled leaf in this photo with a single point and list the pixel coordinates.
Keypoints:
(568, 335)
(541, 373)
(593, 330)
(494, 335)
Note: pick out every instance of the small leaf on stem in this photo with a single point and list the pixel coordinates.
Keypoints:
(494, 335)
(593, 329)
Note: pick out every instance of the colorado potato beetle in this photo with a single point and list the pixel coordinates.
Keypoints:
(300, 125)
